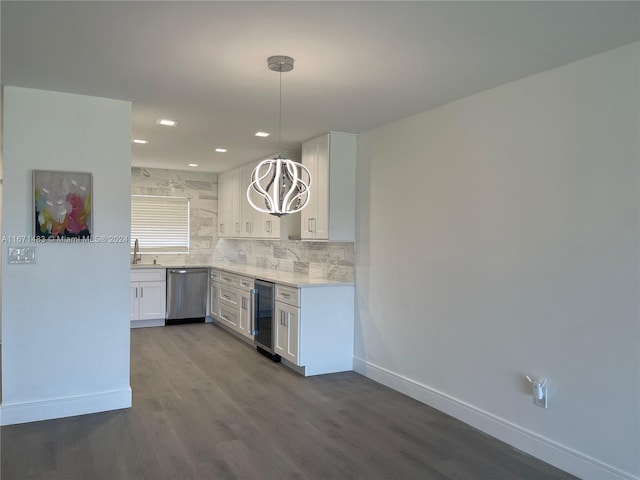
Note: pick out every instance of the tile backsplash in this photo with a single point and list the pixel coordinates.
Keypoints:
(333, 260)
(202, 190)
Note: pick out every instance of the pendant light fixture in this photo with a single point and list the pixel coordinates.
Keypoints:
(282, 183)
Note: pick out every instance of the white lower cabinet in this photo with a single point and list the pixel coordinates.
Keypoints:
(246, 312)
(287, 332)
(314, 327)
(214, 300)
(148, 297)
(231, 302)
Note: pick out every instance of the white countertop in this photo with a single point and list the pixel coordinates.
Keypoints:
(143, 266)
(293, 279)
(286, 278)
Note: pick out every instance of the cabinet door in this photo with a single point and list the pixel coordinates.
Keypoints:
(321, 223)
(234, 193)
(246, 312)
(214, 301)
(315, 216)
(287, 329)
(134, 302)
(224, 205)
(152, 300)
(257, 224)
(247, 227)
(229, 216)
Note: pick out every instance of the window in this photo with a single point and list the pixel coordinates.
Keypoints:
(161, 224)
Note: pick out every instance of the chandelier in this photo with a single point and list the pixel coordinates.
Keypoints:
(282, 184)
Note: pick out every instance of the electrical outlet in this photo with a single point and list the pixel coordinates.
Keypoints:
(539, 391)
(22, 255)
(540, 400)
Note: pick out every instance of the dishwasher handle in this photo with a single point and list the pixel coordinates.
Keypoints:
(187, 270)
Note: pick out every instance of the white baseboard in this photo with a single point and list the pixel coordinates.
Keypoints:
(547, 450)
(11, 414)
(158, 322)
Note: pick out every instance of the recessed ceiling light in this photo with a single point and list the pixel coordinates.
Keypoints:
(139, 140)
(221, 150)
(192, 164)
(262, 134)
(167, 122)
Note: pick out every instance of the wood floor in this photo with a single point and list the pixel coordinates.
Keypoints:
(208, 407)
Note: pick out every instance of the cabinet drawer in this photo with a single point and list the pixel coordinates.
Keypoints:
(229, 296)
(228, 315)
(288, 295)
(229, 279)
(246, 283)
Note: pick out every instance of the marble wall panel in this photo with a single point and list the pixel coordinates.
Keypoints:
(333, 260)
(202, 190)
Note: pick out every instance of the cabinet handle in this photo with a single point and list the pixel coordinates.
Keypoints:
(141, 292)
(253, 327)
(248, 227)
(222, 228)
(136, 292)
(285, 320)
(244, 303)
(226, 296)
(309, 226)
(268, 226)
(285, 295)
(237, 227)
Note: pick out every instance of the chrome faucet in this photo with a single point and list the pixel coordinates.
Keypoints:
(136, 253)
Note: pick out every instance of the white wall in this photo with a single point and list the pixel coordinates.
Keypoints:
(498, 237)
(65, 320)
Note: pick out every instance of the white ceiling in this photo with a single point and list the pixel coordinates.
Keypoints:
(358, 65)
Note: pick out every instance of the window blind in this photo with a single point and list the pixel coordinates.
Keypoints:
(161, 224)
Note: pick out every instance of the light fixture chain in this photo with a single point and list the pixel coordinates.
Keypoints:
(282, 184)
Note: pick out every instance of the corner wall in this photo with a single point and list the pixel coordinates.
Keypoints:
(65, 320)
(498, 237)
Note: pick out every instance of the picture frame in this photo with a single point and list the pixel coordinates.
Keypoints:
(62, 205)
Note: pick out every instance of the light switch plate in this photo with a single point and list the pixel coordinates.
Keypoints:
(22, 255)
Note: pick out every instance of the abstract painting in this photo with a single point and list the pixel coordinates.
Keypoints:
(62, 205)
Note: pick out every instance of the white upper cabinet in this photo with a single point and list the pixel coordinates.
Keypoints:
(330, 213)
(250, 224)
(238, 219)
(229, 214)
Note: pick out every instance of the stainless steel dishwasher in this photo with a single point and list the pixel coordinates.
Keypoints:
(186, 294)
